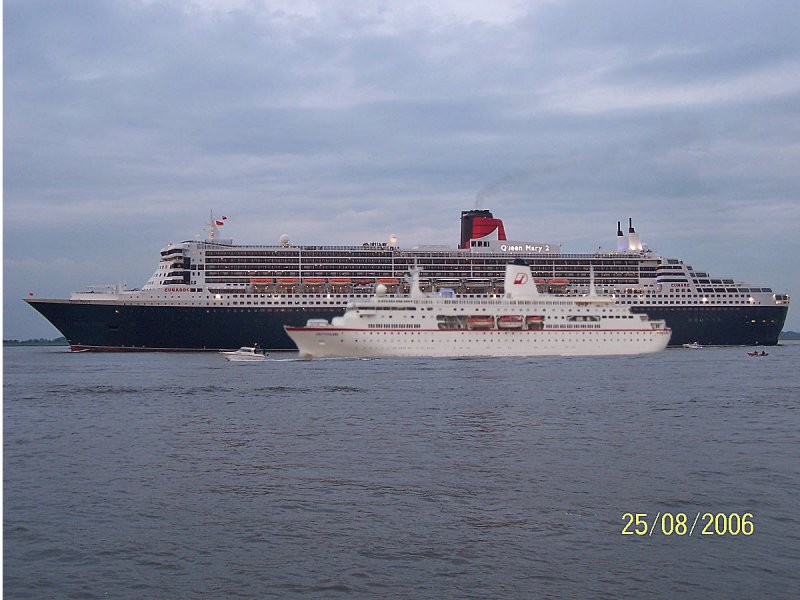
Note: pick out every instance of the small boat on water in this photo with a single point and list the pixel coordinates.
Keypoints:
(245, 354)
(757, 353)
(693, 345)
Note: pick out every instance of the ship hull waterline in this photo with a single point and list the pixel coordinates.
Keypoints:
(131, 327)
(325, 342)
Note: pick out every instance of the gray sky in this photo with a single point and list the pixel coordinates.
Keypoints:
(126, 121)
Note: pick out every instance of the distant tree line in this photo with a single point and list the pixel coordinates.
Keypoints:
(59, 341)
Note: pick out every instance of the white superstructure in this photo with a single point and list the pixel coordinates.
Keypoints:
(523, 322)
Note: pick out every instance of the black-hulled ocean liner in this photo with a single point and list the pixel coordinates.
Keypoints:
(213, 294)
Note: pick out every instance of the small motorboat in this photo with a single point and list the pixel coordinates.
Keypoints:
(245, 354)
(757, 353)
(693, 345)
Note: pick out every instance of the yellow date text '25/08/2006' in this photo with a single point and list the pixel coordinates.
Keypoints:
(685, 524)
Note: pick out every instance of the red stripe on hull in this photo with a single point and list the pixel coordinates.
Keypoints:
(539, 331)
(81, 348)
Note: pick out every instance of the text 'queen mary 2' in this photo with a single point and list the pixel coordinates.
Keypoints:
(212, 294)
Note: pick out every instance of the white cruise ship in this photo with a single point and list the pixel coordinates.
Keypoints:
(523, 322)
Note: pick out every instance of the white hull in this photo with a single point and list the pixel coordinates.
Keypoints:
(244, 358)
(332, 342)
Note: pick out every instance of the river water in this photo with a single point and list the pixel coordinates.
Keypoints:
(185, 476)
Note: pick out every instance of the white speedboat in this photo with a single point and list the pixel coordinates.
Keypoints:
(245, 354)
(693, 345)
(524, 322)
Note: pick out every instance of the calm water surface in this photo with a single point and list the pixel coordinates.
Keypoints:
(184, 476)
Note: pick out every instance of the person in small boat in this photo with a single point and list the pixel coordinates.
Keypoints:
(763, 353)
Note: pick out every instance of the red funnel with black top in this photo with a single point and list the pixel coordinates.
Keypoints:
(477, 224)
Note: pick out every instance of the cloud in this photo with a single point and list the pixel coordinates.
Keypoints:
(589, 93)
(127, 120)
(389, 15)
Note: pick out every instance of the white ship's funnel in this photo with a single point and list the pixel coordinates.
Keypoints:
(519, 281)
(634, 243)
(621, 244)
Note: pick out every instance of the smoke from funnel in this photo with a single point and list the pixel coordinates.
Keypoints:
(535, 169)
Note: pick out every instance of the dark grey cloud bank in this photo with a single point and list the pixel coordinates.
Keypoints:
(125, 122)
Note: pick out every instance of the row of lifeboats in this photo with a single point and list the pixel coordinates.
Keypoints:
(384, 280)
(322, 281)
(505, 322)
(426, 284)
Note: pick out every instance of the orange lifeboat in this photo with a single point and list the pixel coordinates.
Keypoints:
(510, 322)
(339, 280)
(534, 322)
(260, 280)
(387, 280)
(480, 322)
(314, 280)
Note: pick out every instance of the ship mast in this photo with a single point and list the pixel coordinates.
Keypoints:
(213, 228)
(213, 232)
